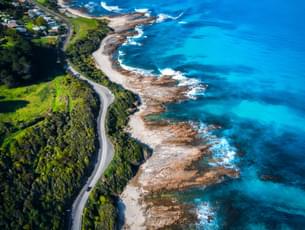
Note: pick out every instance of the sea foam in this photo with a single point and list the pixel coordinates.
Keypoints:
(206, 216)
(163, 17)
(144, 11)
(133, 69)
(90, 6)
(196, 87)
(132, 40)
(110, 8)
(223, 154)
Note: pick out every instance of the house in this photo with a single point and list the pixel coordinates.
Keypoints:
(42, 28)
(52, 23)
(48, 19)
(21, 29)
(16, 4)
(33, 13)
(11, 24)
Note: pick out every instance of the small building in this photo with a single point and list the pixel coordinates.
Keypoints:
(42, 27)
(11, 24)
(52, 23)
(36, 28)
(33, 13)
(21, 29)
(16, 4)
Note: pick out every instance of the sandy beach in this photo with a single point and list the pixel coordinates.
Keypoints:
(176, 146)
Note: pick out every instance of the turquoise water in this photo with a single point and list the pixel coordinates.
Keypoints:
(251, 54)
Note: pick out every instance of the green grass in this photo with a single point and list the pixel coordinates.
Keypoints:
(26, 103)
(29, 25)
(42, 1)
(7, 42)
(46, 41)
(81, 27)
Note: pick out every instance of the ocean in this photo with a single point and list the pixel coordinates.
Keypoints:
(245, 63)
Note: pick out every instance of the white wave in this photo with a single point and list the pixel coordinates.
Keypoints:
(223, 154)
(177, 75)
(90, 6)
(206, 216)
(133, 69)
(198, 90)
(195, 86)
(110, 8)
(132, 40)
(144, 11)
(163, 17)
(182, 22)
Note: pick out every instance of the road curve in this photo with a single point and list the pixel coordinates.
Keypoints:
(105, 152)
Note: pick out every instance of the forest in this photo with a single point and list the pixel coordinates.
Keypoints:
(100, 211)
(15, 58)
(47, 135)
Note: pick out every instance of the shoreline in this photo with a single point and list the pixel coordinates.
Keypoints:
(176, 146)
(73, 12)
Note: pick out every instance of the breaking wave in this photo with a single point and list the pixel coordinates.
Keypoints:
(206, 216)
(223, 154)
(110, 8)
(133, 69)
(132, 40)
(90, 6)
(163, 17)
(145, 11)
(196, 87)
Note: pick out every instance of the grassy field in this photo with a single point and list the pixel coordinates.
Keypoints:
(47, 140)
(42, 1)
(46, 41)
(81, 27)
(30, 102)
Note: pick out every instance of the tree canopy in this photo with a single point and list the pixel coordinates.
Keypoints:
(15, 58)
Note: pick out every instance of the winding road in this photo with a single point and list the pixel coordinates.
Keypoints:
(106, 150)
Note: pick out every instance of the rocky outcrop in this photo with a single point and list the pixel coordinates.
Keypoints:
(177, 146)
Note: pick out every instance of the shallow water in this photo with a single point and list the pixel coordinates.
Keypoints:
(251, 54)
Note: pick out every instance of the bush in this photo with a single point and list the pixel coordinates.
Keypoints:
(129, 154)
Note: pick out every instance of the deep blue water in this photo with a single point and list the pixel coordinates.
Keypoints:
(251, 54)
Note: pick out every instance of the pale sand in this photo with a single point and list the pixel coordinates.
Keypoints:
(134, 213)
(104, 63)
(74, 12)
(173, 151)
(131, 195)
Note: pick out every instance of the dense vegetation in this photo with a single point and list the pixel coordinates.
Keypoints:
(7, 7)
(15, 58)
(100, 212)
(44, 155)
(48, 3)
(47, 138)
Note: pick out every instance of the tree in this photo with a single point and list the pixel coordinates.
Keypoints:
(40, 21)
(15, 58)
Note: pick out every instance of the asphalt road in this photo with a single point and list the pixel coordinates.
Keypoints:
(105, 153)
(106, 150)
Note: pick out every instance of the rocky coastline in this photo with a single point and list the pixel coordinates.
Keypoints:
(177, 146)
